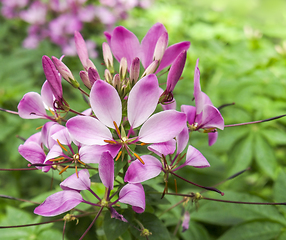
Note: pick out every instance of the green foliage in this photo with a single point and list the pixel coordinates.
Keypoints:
(235, 41)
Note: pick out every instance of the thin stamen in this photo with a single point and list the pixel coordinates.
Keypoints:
(65, 168)
(117, 129)
(139, 158)
(62, 145)
(118, 155)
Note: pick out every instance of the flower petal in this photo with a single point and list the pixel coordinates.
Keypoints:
(171, 54)
(106, 169)
(212, 137)
(162, 127)
(134, 195)
(211, 118)
(195, 158)
(190, 111)
(182, 140)
(63, 136)
(47, 95)
(31, 106)
(148, 43)
(142, 100)
(59, 203)
(92, 154)
(105, 103)
(82, 182)
(138, 172)
(88, 130)
(124, 43)
(164, 148)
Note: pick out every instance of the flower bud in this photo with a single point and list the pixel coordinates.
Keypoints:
(160, 47)
(108, 76)
(93, 75)
(151, 68)
(84, 78)
(81, 49)
(107, 56)
(116, 81)
(65, 72)
(123, 68)
(134, 70)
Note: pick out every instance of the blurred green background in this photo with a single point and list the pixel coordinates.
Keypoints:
(242, 61)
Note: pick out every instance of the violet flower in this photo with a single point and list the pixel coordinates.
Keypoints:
(141, 103)
(124, 43)
(70, 197)
(205, 115)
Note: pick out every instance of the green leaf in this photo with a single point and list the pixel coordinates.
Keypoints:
(226, 214)
(114, 228)
(279, 190)
(241, 154)
(254, 231)
(264, 156)
(153, 224)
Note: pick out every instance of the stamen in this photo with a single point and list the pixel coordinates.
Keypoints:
(76, 171)
(143, 144)
(39, 127)
(118, 155)
(110, 141)
(81, 162)
(62, 145)
(116, 128)
(65, 168)
(57, 159)
(139, 158)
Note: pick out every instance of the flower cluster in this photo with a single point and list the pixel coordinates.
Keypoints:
(127, 114)
(57, 20)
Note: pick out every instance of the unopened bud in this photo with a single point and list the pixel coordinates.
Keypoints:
(134, 70)
(108, 76)
(93, 75)
(90, 64)
(65, 72)
(84, 78)
(151, 68)
(116, 81)
(107, 56)
(81, 49)
(123, 68)
(160, 47)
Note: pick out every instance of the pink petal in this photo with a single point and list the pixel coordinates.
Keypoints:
(211, 118)
(47, 95)
(195, 158)
(47, 131)
(59, 203)
(32, 152)
(88, 130)
(92, 154)
(105, 103)
(63, 137)
(106, 169)
(31, 106)
(162, 127)
(171, 54)
(134, 195)
(164, 148)
(142, 100)
(82, 182)
(212, 137)
(36, 138)
(190, 111)
(170, 106)
(148, 43)
(137, 172)
(124, 44)
(182, 140)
